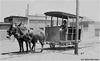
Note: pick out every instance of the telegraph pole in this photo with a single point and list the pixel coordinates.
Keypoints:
(27, 15)
(77, 19)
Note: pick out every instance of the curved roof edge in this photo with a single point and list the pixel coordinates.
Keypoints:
(60, 14)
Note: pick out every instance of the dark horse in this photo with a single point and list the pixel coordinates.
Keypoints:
(28, 37)
(16, 32)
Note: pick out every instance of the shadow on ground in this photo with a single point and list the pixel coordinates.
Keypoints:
(54, 49)
(60, 48)
(17, 53)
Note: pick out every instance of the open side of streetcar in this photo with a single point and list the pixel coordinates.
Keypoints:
(63, 34)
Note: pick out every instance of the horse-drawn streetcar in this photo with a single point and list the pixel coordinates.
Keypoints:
(63, 33)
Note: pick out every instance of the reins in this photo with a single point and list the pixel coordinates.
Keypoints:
(21, 33)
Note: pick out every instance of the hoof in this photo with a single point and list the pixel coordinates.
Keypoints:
(41, 50)
(20, 51)
(26, 51)
(31, 52)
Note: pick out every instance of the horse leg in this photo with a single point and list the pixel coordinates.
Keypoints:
(41, 42)
(19, 46)
(22, 46)
(33, 46)
(26, 46)
(30, 45)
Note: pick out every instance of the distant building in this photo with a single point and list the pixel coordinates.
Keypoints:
(4, 26)
(97, 29)
(3, 30)
(38, 21)
(35, 21)
(16, 19)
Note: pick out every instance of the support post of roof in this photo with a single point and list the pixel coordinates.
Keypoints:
(62, 20)
(72, 25)
(57, 21)
(45, 20)
(81, 28)
(27, 15)
(51, 21)
(67, 28)
(77, 19)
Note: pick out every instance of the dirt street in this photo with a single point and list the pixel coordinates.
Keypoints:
(89, 51)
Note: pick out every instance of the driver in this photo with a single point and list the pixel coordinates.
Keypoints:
(64, 25)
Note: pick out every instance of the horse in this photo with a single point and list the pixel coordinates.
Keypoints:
(29, 37)
(34, 36)
(37, 36)
(16, 32)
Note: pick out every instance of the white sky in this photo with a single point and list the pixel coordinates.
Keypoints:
(88, 8)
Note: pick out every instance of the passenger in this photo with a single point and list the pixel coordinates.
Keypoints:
(64, 25)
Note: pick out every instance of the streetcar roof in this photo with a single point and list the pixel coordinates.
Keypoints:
(61, 14)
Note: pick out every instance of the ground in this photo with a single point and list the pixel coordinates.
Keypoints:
(88, 51)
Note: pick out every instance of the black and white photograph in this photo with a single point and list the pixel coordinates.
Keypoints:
(49, 30)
